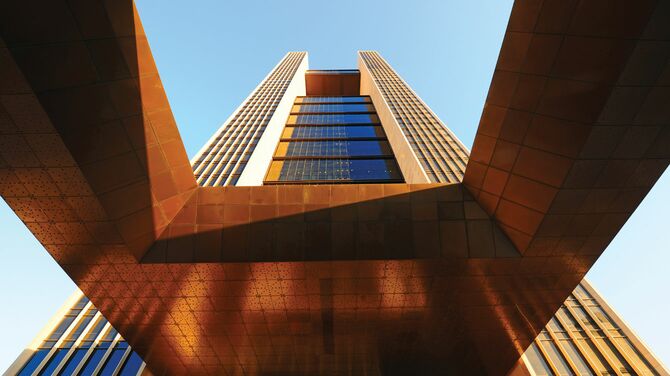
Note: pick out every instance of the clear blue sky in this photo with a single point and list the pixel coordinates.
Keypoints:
(211, 54)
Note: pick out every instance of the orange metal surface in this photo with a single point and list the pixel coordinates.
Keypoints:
(337, 84)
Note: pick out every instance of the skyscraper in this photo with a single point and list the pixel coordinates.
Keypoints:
(365, 125)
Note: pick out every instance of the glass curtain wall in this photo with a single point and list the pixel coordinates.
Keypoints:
(333, 140)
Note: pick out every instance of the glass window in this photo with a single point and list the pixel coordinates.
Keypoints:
(601, 365)
(81, 325)
(318, 119)
(73, 362)
(334, 170)
(556, 358)
(575, 357)
(340, 148)
(92, 362)
(603, 317)
(334, 131)
(112, 362)
(537, 362)
(132, 365)
(632, 352)
(62, 327)
(96, 329)
(55, 360)
(34, 361)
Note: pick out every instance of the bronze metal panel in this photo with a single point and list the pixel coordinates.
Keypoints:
(573, 135)
(335, 84)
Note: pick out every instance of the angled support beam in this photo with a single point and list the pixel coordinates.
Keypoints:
(575, 129)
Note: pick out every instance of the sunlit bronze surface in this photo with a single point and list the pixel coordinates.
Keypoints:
(332, 83)
(362, 279)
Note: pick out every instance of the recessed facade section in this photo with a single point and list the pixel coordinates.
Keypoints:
(334, 139)
(332, 82)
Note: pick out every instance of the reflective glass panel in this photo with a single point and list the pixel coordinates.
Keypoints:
(537, 362)
(576, 357)
(112, 362)
(556, 358)
(132, 365)
(92, 362)
(53, 362)
(334, 170)
(333, 119)
(73, 362)
(60, 329)
(34, 361)
(338, 148)
(334, 131)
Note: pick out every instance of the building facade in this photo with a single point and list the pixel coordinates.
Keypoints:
(78, 340)
(585, 337)
(364, 125)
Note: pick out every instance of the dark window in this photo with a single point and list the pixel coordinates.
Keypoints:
(73, 362)
(334, 131)
(336, 170)
(92, 362)
(54, 362)
(34, 361)
(132, 365)
(333, 119)
(112, 362)
(337, 148)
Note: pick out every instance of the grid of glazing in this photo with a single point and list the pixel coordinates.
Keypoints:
(582, 339)
(224, 159)
(333, 140)
(441, 155)
(83, 343)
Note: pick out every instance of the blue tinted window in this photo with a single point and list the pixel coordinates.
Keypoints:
(54, 362)
(34, 361)
(121, 345)
(60, 329)
(340, 148)
(81, 303)
(73, 362)
(111, 333)
(81, 325)
(92, 362)
(337, 170)
(334, 131)
(112, 362)
(333, 100)
(95, 331)
(132, 365)
(348, 107)
(334, 119)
